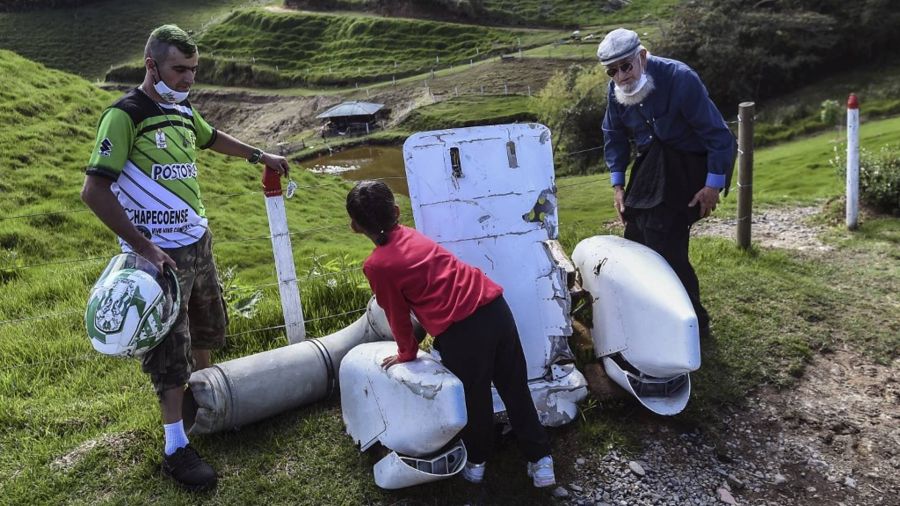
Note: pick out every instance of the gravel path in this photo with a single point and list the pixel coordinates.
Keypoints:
(772, 228)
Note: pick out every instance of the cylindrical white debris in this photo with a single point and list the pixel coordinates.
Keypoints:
(248, 389)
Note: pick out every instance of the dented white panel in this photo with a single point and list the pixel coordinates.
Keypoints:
(414, 408)
(494, 206)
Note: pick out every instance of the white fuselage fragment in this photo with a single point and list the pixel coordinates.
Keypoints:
(414, 408)
(488, 195)
(644, 326)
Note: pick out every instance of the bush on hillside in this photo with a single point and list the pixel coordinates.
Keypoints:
(879, 177)
(572, 105)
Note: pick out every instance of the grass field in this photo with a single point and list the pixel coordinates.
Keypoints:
(89, 40)
(77, 427)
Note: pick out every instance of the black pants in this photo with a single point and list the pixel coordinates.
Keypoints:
(667, 232)
(482, 348)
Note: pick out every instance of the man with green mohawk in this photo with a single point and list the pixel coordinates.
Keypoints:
(141, 181)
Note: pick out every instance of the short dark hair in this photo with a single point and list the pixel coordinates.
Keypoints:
(166, 36)
(371, 205)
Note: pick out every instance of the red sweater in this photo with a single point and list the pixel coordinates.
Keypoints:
(412, 272)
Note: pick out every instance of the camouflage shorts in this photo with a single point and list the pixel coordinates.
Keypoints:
(201, 322)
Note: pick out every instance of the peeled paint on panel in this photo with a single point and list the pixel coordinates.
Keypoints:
(488, 195)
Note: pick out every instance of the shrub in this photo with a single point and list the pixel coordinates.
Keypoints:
(879, 177)
(829, 112)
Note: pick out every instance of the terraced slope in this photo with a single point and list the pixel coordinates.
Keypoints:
(546, 13)
(259, 47)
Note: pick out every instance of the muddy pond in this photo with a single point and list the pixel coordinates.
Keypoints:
(364, 162)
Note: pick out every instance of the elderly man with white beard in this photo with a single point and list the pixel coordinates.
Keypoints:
(685, 152)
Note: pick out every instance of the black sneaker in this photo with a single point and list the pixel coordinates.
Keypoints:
(188, 469)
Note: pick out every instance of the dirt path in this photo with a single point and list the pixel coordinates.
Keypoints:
(273, 118)
(832, 439)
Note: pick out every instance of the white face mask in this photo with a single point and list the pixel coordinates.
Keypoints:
(636, 87)
(168, 94)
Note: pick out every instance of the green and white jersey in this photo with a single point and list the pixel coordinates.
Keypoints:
(149, 151)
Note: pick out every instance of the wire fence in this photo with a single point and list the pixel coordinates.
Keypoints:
(93, 260)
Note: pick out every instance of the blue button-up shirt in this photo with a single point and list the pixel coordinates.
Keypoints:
(679, 111)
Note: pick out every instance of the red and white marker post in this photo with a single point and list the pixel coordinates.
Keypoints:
(852, 162)
(284, 257)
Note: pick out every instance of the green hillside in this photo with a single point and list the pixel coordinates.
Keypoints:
(547, 13)
(91, 38)
(264, 48)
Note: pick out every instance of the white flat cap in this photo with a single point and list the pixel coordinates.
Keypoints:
(618, 44)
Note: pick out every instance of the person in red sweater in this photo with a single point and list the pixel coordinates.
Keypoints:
(465, 311)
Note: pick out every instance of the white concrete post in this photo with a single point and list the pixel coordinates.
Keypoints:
(852, 162)
(284, 258)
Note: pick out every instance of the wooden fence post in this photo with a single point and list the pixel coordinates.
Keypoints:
(745, 172)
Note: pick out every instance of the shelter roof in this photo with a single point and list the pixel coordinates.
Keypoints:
(354, 108)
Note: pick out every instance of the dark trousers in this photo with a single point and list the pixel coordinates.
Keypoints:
(667, 232)
(483, 348)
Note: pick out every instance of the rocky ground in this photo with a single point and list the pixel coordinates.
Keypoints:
(832, 439)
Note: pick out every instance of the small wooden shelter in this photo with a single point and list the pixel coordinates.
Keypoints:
(352, 118)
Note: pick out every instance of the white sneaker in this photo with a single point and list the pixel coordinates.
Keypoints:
(473, 473)
(542, 472)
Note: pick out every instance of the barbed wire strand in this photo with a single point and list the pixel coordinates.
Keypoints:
(293, 233)
(247, 191)
(70, 311)
(95, 356)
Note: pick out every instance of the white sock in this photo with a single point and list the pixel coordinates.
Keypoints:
(175, 437)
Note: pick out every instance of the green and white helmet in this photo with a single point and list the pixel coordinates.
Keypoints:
(132, 306)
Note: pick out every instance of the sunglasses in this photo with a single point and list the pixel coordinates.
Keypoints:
(625, 67)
